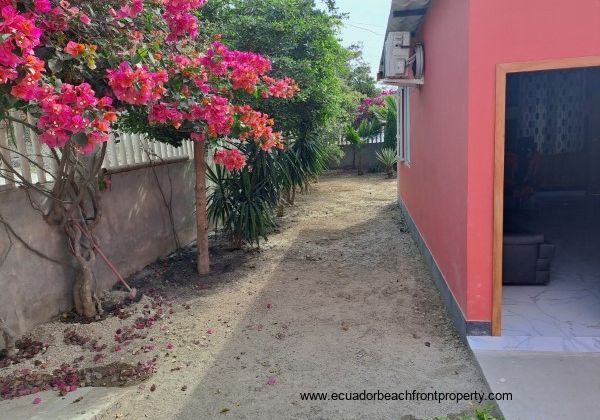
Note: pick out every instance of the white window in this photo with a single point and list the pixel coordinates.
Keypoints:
(403, 136)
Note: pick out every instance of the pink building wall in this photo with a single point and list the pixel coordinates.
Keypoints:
(506, 31)
(448, 187)
(434, 187)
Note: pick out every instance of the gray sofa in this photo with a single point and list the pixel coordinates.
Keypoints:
(526, 258)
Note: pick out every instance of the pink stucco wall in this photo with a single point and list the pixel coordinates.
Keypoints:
(448, 188)
(506, 31)
(434, 187)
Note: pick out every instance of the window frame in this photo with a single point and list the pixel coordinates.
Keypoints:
(403, 137)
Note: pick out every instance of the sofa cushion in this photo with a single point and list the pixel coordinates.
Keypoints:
(523, 238)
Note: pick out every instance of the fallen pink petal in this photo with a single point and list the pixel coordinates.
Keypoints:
(272, 381)
(37, 400)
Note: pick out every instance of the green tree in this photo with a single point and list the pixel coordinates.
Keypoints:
(302, 41)
(359, 77)
(388, 114)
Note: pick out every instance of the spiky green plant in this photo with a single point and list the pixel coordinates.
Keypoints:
(242, 203)
(387, 157)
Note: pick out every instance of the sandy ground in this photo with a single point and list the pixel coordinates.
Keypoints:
(338, 301)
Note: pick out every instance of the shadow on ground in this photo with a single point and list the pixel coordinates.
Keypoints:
(353, 308)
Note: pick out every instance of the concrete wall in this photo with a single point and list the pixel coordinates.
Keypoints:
(433, 187)
(369, 160)
(134, 231)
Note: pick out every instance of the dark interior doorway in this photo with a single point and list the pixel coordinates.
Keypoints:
(551, 245)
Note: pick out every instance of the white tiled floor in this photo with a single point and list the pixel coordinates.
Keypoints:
(565, 314)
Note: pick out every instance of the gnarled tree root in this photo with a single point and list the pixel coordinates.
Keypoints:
(9, 338)
(83, 293)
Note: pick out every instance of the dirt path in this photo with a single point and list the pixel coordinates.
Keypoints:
(339, 301)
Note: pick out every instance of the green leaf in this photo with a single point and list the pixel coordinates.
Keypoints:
(80, 138)
(55, 65)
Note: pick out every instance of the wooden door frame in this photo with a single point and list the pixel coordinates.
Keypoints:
(502, 71)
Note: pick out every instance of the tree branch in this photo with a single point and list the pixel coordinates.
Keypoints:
(25, 123)
(27, 246)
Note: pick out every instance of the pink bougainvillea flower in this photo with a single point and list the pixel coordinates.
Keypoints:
(272, 381)
(232, 159)
(85, 19)
(137, 86)
(198, 136)
(269, 306)
(37, 400)
(26, 89)
(164, 113)
(137, 7)
(74, 48)
(210, 331)
(282, 88)
(54, 137)
(179, 18)
(217, 112)
(129, 11)
(43, 6)
(7, 74)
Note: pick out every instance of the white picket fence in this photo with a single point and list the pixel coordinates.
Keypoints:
(19, 146)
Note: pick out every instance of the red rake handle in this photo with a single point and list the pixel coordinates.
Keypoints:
(132, 292)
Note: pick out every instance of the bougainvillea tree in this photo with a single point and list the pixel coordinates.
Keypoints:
(82, 71)
(368, 105)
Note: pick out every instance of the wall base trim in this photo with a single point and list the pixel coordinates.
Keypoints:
(464, 327)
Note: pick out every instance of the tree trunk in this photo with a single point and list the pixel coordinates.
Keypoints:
(360, 170)
(83, 290)
(288, 196)
(236, 243)
(203, 263)
(83, 250)
(9, 338)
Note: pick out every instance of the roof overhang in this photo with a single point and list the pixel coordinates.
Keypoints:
(405, 16)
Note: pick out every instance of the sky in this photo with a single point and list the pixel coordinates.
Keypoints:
(366, 23)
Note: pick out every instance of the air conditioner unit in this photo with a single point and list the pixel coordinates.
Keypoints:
(397, 55)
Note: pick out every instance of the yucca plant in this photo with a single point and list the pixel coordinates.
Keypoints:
(387, 157)
(242, 203)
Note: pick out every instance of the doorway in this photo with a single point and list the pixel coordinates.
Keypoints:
(546, 200)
